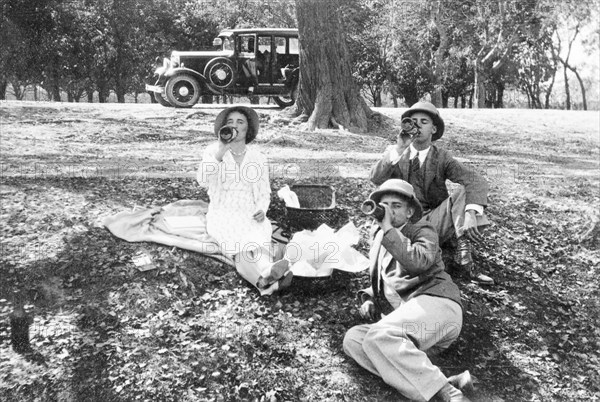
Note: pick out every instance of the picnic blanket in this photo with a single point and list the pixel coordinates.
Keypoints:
(163, 225)
(183, 224)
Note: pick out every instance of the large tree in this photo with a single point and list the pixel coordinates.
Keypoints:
(328, 93)
(27, 43)
(493, 29)
(437, 16)
(370, 32)
(570, 20)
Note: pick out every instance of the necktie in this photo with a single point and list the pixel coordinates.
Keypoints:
(415, 164)
(413, 167)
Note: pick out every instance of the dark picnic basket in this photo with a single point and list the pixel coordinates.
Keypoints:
(317, 206)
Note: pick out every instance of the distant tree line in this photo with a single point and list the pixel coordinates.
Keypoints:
(86, 46)
(469, 51)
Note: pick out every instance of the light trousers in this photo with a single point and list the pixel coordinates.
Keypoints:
(449, 217)
(395, 347)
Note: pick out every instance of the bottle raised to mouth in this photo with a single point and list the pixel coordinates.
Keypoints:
(371, 208)
(409, 127)
(227, 133)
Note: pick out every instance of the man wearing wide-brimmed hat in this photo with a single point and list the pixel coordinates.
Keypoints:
(426, 167)
(423, 304)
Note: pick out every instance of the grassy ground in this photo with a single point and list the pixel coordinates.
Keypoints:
(193, 330)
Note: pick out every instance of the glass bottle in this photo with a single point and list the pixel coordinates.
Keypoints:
(19, 324)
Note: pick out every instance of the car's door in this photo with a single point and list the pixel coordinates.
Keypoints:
(264, 58)
(286, 55)
(246, 60)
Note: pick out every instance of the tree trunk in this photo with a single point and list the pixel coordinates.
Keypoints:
(328, 93)
(103, 91)
(377, 98)
(120, 89)
(3, 86)
(437, 96)
(500, 96)
(490, 97)
(565, 64)
(410, 98)
(549, 90)
(478, 101)
(17, 91)
(55, 83)
(567, 91)
(580, 85)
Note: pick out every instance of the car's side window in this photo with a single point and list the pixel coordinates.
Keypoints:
(264, 55)
(293, 46)
(287, 51)
(246, 45)
(264, 44)
(280, 45)
(227, 44)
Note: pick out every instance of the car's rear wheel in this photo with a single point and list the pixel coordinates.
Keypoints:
(183, 91)
(284, 101)
(220, 73)
(160, 98)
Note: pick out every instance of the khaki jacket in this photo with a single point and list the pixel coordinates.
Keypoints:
(414, 265)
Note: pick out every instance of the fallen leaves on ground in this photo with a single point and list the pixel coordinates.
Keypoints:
(192, 329)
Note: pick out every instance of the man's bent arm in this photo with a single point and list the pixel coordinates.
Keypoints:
(416, 257)
(383, 169)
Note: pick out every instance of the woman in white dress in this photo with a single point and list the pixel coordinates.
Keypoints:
(237, 177)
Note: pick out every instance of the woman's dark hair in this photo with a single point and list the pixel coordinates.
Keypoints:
(250, 133)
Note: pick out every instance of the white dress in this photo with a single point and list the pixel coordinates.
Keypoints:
(236, 192)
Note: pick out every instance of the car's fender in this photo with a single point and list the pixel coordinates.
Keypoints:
(182, 70)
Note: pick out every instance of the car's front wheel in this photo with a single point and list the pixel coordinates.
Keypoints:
(160, 98)
(284, 101)
(183, 91)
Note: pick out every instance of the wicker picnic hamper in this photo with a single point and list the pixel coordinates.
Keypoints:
(317, 206)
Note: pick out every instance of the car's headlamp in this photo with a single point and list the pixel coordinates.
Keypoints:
(174, 60)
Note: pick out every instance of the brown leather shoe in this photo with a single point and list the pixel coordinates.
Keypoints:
(463, 257)
(463, 254)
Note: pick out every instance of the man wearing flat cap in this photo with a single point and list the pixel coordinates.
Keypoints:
(408, 281)
(426, 167)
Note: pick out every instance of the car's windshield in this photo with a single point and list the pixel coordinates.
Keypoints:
(227, 43)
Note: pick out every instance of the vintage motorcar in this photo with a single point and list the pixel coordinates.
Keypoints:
(260, 61)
